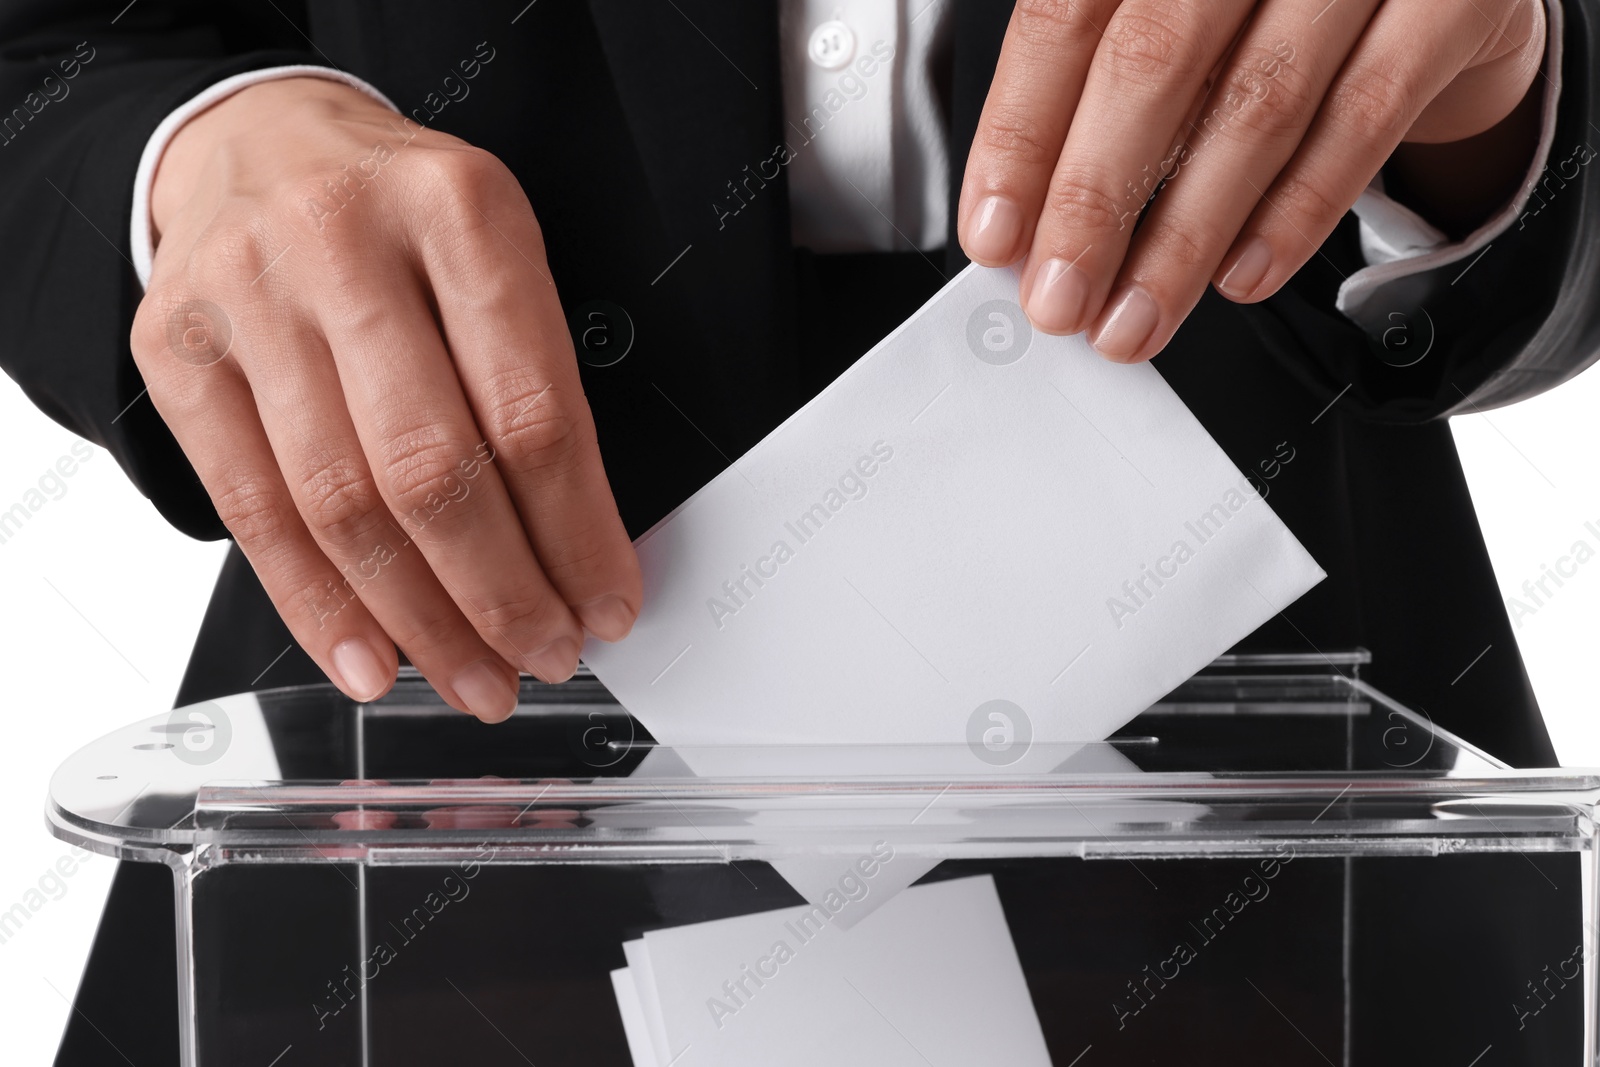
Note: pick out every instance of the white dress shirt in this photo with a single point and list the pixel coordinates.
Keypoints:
(869, 164)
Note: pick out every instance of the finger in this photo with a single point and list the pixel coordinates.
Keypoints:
(1037, 82)
(434, 471)
(1249, 125)
(210, 411)
(303, 410)
(1404, 58)
(1148, 69)
(1506, 65)
(503, 323)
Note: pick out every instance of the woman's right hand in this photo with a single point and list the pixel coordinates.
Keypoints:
(352, 331)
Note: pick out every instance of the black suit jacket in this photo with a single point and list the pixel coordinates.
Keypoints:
(635, 128)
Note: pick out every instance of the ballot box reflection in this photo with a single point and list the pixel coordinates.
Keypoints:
(1274, 864)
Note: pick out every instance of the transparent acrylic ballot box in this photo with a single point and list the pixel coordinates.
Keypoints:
(1276, 864)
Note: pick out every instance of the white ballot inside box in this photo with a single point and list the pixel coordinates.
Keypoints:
(933, 973)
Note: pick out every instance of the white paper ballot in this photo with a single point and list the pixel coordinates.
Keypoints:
(933, 977)
(648, 1020)
(633, 1021)
(980, 536)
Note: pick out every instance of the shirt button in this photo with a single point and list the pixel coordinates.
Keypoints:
(833, 44)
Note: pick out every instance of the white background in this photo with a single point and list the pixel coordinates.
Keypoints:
(102, 599)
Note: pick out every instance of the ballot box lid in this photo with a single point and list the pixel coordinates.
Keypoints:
(1251, 753)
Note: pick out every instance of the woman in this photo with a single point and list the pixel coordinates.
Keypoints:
(349, 354)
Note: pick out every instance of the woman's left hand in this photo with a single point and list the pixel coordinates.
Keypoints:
(1261, 120)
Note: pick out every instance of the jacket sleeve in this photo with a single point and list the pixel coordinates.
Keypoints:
(1520, 318)
(83, 85)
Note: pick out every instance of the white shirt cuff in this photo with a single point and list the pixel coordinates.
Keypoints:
(140, 241)
(1397, 243)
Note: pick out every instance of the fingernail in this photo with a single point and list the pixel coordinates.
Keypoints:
(555, 662)
(992, 236)
(1251, 266)
(362, 672)
(1057, 297)
(485, 691)
(609, 618)
(1133, 319)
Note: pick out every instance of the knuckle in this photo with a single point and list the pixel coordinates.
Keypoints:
(172, 322)
(514, 614)
(1010, 134)
(340, 502)
(464, 166)
(357, 287)
(1078, 201)
(418, 635)
(251, 512)
(1054, 21)
(1373, 103)
(584, 555)
(1302, 196)
(485, 291)
(535, 429)
(326, 207)
(233, 255)
(1175, 246)
(1274, 104)
(473, 202)
(459, 180)
(353, 260)
(417, 465)
(148, 334)
(354, 308)
(1148, 43)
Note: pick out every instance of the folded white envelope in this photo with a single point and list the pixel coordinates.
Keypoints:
(933, 977)
(979, 538)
